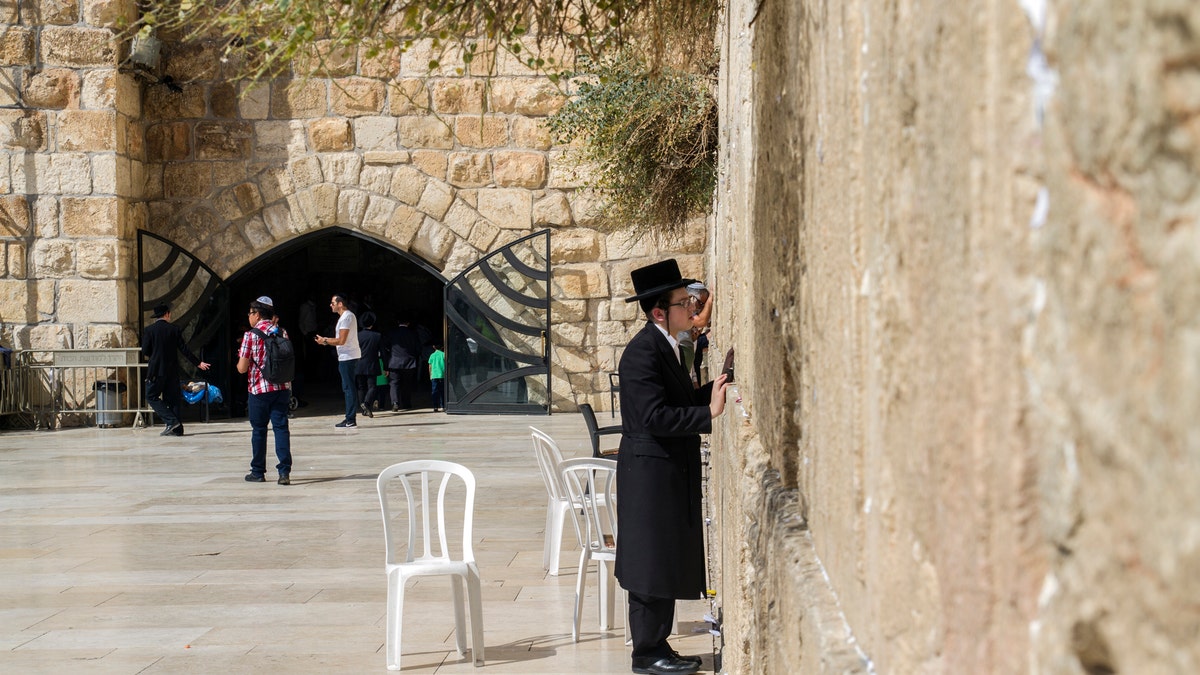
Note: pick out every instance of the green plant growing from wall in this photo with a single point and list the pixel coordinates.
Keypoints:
(647, 142)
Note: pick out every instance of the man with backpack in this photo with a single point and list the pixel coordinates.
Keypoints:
(264, 354)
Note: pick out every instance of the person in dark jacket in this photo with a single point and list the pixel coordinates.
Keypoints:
(402, 348)
(160, 342)
(369, 342)
(660, 533)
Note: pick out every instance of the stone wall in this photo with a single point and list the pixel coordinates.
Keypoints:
(441, 165)
(958, 243)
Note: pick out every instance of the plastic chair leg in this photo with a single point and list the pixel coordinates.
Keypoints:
(395, 614)
(554, 537)
(475, 594)
(607, 593)
(551, 507)
(579, 585)
(460, 624)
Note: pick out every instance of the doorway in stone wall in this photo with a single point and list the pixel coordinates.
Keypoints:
(382, 283)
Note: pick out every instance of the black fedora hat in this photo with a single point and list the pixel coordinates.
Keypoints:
(651, 281)
(160, 311)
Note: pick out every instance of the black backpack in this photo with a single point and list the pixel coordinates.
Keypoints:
(280, 364)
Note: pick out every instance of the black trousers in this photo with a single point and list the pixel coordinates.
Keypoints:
(650, 622)
(401, 384)
(165, 398)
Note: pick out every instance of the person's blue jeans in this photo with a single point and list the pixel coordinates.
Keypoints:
(346, 370)
(271, 406)
(437, 394)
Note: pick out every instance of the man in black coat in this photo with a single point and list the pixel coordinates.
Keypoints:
(160, 341)
(660, 531)
(402, 351)
(368, 364)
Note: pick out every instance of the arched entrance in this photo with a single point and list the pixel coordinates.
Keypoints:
(380, 280)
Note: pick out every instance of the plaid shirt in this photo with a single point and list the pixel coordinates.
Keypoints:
(255, 349)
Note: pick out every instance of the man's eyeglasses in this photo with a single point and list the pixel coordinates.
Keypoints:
(689, 303)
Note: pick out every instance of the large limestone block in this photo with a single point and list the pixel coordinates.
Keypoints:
(222, 100)
(297, 99)
(403, 226)
(14, 216)
(574, 245)
(278, 219)
(87, 130)
(376, 133)
(50, 336)
(436, 199)
(90, 301)
(567, 170)
(91, 216)
(278, 140)
(528, 132)
(59, 173)
(425, 132)
(258, 234)
(571, 334)
(191, 60)
(481, 131)
(408, 183)
(386, 157)
(22, 129)
(254, 102)
(78, 47)
(553, 210)
(15, 255)
(109, 13)
(455, 95)
(508, 208)
(568, 310)
(408, 96)
(56, 12)
(223, 140)
(377, 179)
(103, 87)
(534, 96)
(358, 96)
(45, 218)
(616, 333)
(469, 169)
(187, 180)
(305, 172)
(483, 235)
(519, 169)
(330, 134)
(326, 58)
(433, 242)
(383, 65)
(165, 104)
(572, 359)
(581, 280)
(275, 183)
(432, 162)
(53, 258)
(378, 214)
(96, 259)
(342, 168)
(10, 97)
(169, 142)
(326, 200)
(628, 244)
(460, 218)
(16, 46)
(52, 88)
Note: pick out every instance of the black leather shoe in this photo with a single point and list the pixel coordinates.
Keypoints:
(668, 665)
(255, 478)
(697, 659)
(170, 430)
(284, 479)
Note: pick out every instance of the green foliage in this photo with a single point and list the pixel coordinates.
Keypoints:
(648, 139)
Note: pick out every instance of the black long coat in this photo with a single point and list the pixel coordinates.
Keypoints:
(660, 529)
(160, 341)
(368, 344)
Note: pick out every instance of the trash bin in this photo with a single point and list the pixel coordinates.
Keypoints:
(108, 400)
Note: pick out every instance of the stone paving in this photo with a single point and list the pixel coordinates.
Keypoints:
(124, 552)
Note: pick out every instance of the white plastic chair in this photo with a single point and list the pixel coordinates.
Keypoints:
(417, 477)
(593, 483)
(558, 503)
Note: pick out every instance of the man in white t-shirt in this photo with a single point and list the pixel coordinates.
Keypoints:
(348, 354)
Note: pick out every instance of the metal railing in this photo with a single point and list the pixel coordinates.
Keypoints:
(55, 388)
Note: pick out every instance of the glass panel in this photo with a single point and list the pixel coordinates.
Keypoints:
(498, 316)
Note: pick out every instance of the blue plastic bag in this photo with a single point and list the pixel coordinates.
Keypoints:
(211, 391)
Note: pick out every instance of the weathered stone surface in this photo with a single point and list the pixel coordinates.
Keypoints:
(258, 234)
(275, 183)
(163, 103)
(506, 207)
(519, 169)
(96, 259)
(223, 140)
(566, 170)
(16, 255)
(403, 226)
(222, 100)
(342, 168)
(278, 219)
(378, 214)
(191, 61)
(186, 180)
(358, 96)
(425, 132)
(386, 157)
(581, 280)
(167, 142)
(52, 88)
(530, 133)
(305, 172)
(568, 310)
(377, 179)
(384, 65)
(294, 99)
(14, 216)
(99, 90)
(254, 102)
(90, 301)
(408, 183)
(10, 96)
(481, 131)
(525, 96)
(569, 246)
(45, 218)
(460, 218)
(432, 242)
(109, 13)
(23, 129)
(16, 46)
(431, 162)
(408, 96)
(469, 169)
(91, 216)
(483, 235)
(87, 130)
(552, 210)
(326, 203)
(328, 59)
(436, 199)
(59, 12)
(330, 134)
(453, 96)
(376, 133)
(279, 140)
(76, 47)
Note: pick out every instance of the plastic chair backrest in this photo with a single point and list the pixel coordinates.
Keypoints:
(593, 427)
(549, 457)
(586, 479)
(417, 477)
